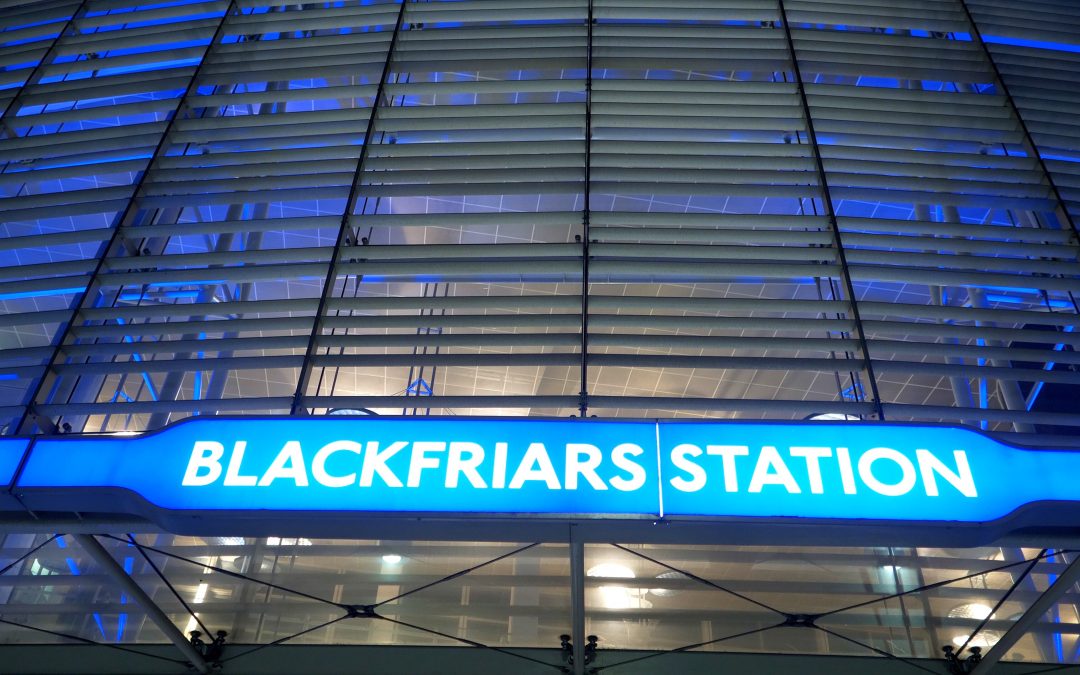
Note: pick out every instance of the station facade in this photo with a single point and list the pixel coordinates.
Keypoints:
(813, 214)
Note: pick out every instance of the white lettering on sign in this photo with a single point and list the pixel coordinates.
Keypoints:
(405, 464)
(881, 470)
(960, 479)
(318, 465)
(907, 471)
(728, 453)
(576, 467)
(535, 466)
(763, 470)
(813, 457)
(465, 458)
(205, 455)
(420, 460)
(375, 462)
(620, 457)
(232, 474)
(771, 470)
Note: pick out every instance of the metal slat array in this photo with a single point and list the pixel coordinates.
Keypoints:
(964, 268)
(80, 125)
(715, 281)
(780, 209)
(461, 278)
(1036, 49)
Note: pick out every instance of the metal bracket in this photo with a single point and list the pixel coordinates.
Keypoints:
(589, 652)
(800, 620)
(958, 666)
(361, 612)
(212, 651)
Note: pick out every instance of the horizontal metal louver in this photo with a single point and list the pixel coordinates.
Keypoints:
(743, 208)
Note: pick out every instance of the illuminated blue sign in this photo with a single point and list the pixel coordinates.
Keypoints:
(864, 471)
(11, 453)
(567, 468)
(481, 466)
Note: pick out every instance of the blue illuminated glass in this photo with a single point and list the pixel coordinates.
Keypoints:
(11, 453)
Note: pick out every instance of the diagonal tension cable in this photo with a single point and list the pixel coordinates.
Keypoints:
(696, 645)
(939, 584)
(169, 585)
(229, 573)
(29, 553)
(368, 611)
(79, 638)
(471, 643)
(880, 652)
(455, 575)
(1002, 599)
(287, 638)
(711, 584)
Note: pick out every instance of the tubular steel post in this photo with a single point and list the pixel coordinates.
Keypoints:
(826, 199)
(37, 73)
(577, 601)
(583, 394)
(125, 217)
(976, 35)
(113, 569)
(1028, 619)
(343, 230)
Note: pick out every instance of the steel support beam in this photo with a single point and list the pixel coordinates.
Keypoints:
(830, 213)
(112, 568)
(32, 418)
(1009, 389)
(583, 392)
(1040, 607)
(299, 404)
(577, 601)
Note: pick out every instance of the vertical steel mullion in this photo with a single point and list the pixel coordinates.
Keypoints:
(343, 230)
(50, 54)
(583, 394)
(1011, 396)
(1028, 140)
(121, 221)
(826, 199)
(577, 602)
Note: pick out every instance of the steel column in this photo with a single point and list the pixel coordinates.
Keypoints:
(830, 213)
(31, 416)
(577, 601)
(1020, 628)
(976, 35)
(15, 104)
(343, 239)
(112, 568)
(583, 392)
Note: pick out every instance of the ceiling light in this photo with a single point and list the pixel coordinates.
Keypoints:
(667, 576)
(971, 610)
(985, 639)
(611, 570)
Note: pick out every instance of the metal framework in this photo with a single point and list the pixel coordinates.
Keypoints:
(644, 605)
(715, 208)
(751, 209)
